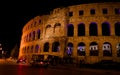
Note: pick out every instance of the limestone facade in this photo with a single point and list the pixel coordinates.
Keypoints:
(89, 32)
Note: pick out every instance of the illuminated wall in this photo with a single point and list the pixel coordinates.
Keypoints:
(87, 31)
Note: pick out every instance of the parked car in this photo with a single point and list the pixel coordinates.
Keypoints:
(21, 60)
(39, 63)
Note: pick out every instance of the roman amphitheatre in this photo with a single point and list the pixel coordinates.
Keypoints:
(89, 32)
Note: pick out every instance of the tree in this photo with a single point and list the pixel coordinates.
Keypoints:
(15, 51)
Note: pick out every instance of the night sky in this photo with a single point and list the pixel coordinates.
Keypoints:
(15, 14)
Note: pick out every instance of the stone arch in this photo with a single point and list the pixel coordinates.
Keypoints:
(31, 25)
(93, 29)
(57, 24)
(48, 26)
(81, 29)
(38, 34)
(69, 49)
(118, 49)
(33, 35)
(70, 30)
(117, 29)
(46, 47)
(106, 29)
(57, 29)
(93, 49)
(36, 48)
(39, 21)
(107, 49)
(27, 38)
(81, 49)
(30, 36)
(27, 49)
(55, 47)
(48, 30)
(32, 48)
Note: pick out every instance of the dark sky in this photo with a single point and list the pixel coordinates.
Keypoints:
(15, 14)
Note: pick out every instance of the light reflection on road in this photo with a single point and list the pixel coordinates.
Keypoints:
(28, 70)
(19, 70)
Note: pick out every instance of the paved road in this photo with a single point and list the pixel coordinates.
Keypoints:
(23, 69)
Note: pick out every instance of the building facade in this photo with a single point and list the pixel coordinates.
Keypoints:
(89, 32)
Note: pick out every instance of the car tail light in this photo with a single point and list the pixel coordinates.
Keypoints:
(41, 62)
(21, 60)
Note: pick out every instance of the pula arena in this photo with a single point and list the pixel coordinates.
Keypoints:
(89, 32)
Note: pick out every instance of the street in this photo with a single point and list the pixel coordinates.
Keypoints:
(20, 69)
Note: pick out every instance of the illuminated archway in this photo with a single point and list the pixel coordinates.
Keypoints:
(93, 49)
(46, 47)
(69, 49)
(107, 50)
(118, 49)
(55, 47)
(36, 48)
(81, 49)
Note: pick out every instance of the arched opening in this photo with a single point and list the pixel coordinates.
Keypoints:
(117, 29)
(107, 50)
(69, 49)
(48, 31)
(118, 50)
(31, 51)
(38, 34)
(105, 29)
(28, 49)
(57, 29)
(81, 49)
(70, 31)
(29, 36)
(93, 30)
(33, 36)
(93, 49)
(25, 50)
(55, 47)
(46, 47)
(36, 48)
(57, 24)
(81, 29)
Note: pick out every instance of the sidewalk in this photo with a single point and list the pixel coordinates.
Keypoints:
(5, 61)
(2, 61)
